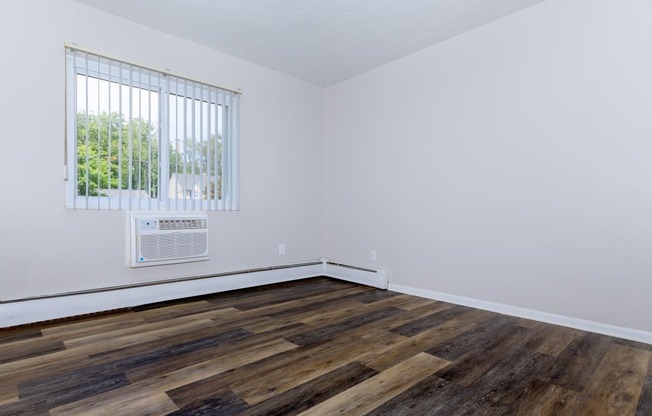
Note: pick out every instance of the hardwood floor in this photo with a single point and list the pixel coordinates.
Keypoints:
(318, 347)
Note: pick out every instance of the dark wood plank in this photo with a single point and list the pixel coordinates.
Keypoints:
(501, 389)
(19, 334)
(419, 325)
(39, 401)
(119, 366)
(313, 392)
(469, 368)
(250, 344)
(476, 338)
(27, 350)
(578, 361)
(321, 334)
(550, 339)
(384, 358)
(541, 398)
(224, 404)
(372, 296)
(430, 396)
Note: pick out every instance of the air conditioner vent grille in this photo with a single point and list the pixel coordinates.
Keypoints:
(167, 239)
(181, 224)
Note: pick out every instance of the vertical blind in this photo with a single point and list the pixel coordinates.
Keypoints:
(141, 139)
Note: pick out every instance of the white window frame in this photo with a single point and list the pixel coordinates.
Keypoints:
(167, 84)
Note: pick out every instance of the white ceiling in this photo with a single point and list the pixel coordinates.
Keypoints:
(320, 41)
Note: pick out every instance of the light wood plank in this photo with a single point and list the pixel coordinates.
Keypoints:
(615, 387)
(143, 404)
(137, 392)
(377, 390)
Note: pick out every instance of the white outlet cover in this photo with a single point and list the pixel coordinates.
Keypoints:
(281, 249)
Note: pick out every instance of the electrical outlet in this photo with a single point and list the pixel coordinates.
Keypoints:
(374, 255)
(281, 249)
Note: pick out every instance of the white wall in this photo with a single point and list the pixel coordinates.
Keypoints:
(47, 249)
(511, 164)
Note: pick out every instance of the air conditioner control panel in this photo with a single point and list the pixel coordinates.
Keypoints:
(148, 225)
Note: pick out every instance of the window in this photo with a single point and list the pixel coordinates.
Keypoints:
(141, 139)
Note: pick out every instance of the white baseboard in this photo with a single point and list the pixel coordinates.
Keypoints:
(43, 309)
(585, 325)
(375, 278)
(47, 308)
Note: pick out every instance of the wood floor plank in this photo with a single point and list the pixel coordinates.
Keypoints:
(431, 395)
(137, 404)
(414, 302)
(313, 392)
(19, 334)
(147, 328)
(245, 350)
(226, 404)
(372, 296)
(263, 379)
(307, 305)
(330, 331)
(177, 311)
(281, 296)
(8, 397)
(408, 316)
(547, 399)
(644, 407)
(241, 346)
(419, 325)
(616, 385)
(550, 339)
(344, 308)
(330, 315)
(28, 350)
(136, 348)
(469, 368)
(379, 389)
(50, 365)
(578, 361)
(297, 372)
(94, 380)
(163, 382)
(501, 390)
(61, 332)
(38, 402)
(90, 324)
(385, 358)
(483, 334)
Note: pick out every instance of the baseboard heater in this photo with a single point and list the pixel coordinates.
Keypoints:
(158, 282)
(362, 275)
(61, 305)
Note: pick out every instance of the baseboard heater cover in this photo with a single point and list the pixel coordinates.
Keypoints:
(364, 276)
(28, 310)
(61, 305)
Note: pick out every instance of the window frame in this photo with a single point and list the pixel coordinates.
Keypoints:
(166, 86)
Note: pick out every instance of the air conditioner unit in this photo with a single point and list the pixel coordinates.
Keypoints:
(165, 238)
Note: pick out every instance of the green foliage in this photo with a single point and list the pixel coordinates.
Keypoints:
(105, 143)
